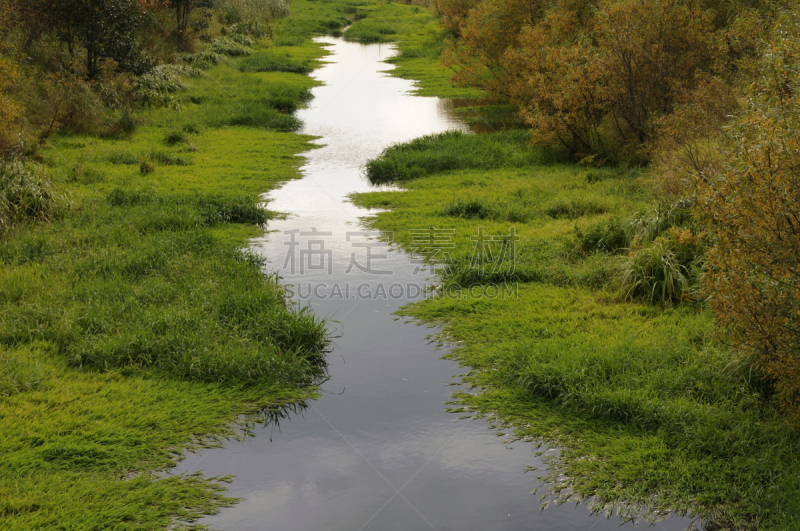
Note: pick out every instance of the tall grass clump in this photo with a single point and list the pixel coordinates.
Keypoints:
(655, 273)
(454, 150)
(27, 193)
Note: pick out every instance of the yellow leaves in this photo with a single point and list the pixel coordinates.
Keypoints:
(750, 208)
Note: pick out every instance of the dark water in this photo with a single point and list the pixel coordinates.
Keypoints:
(377, 451)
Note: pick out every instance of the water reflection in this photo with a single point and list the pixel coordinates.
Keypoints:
(480, 118)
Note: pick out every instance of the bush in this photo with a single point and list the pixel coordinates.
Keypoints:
(26, 193)
(253, 17)
(230, 47)
(750, 209)
(157, 86)
(203, 60)
(648, 226)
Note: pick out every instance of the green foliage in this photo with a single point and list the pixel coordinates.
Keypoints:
(470, 209)
(105, 29)
(517, 190)
(253, 17)
(191, 18)
(175, 137)
(575, 208)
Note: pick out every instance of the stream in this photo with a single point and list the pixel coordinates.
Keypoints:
(377, 451)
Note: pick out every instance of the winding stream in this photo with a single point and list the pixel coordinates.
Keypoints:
(377, 451)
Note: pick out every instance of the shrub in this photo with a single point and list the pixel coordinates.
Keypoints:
(648, 226)
(230, 47)
(253, 16)
(203, 60)
(146, 167)
(157, 86)
(26, 193)
(751, 212)
(127, 122)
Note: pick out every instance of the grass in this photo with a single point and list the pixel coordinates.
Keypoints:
(651, 411)
(132, 325)
(454, 150)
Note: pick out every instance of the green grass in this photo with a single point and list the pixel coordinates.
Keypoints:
(454, 150)
(650, 410)
(133, 326)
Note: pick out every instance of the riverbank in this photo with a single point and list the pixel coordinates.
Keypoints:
(650, 411)
(134, 326)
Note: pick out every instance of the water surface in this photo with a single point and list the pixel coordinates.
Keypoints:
(377, 451)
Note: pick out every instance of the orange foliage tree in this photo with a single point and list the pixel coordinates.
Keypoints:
(593, 75)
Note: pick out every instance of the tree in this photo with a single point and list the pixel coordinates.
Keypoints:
(190, 16)
(104, 29)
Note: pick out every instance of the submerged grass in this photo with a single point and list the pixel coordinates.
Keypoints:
(132, 325)
(651, 412)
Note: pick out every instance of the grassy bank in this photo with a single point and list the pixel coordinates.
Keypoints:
(133, 326)
(649, 409)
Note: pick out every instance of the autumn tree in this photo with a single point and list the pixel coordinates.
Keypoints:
(751, 210)
(489, 30)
